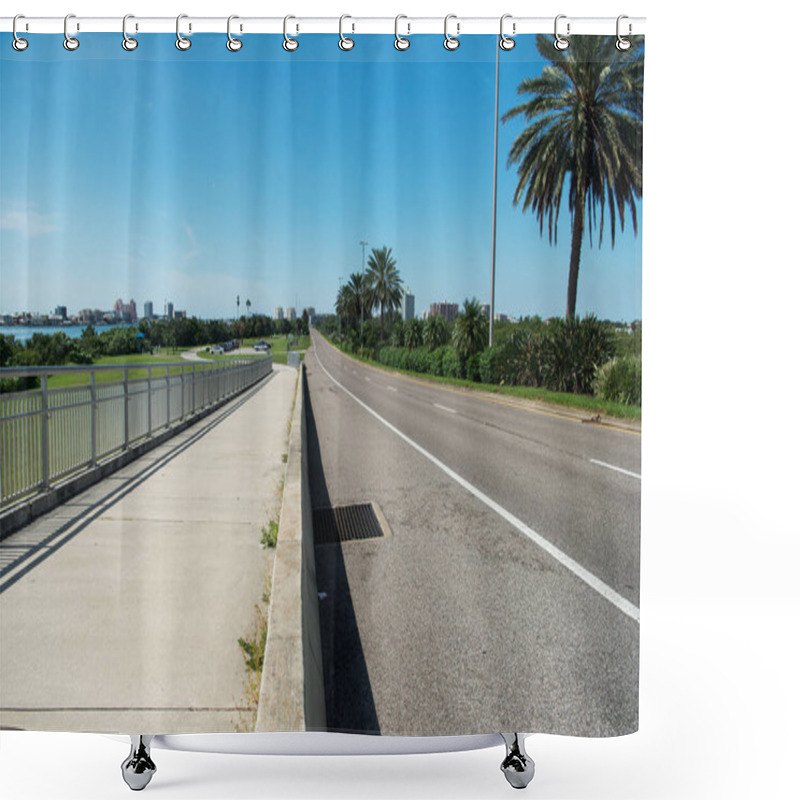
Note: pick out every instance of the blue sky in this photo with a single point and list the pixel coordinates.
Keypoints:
(196, 176)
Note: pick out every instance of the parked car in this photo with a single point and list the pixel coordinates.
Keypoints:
(216, 350)
(262, 346)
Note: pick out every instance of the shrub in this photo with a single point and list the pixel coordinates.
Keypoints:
(434, 365)
(494, 363)
(620, 379)
(418, 359)
(571, 352)
(452, 363)
(472, 371)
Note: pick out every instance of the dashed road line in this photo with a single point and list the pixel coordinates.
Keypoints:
(616, 469)
(445, 408)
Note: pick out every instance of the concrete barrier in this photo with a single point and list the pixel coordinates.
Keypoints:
(292, 695)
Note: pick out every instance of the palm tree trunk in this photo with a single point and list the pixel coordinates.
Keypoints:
(575, 253)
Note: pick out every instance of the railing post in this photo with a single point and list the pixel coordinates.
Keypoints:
(194, 384)
(183, 392)
(168, 397)
(149, 403)
(93, 416)
(125, 401)
(45, 438)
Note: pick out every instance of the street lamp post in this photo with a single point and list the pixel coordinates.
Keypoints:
(494, 192)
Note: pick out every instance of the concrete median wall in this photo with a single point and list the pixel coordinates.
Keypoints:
(292, 696)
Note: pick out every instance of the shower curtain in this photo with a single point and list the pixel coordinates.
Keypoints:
(321, 383)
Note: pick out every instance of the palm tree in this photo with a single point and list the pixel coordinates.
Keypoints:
(434, 332)
(248, 304)
(471, 331)
(383, 281)
(584, 119)
(352, 297)
(413, 334)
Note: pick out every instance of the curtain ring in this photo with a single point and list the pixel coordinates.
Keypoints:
(506, 42)
(18, 43)
(345, 42)
(233, 44)
(400, 42)
(560, 43)
(622, 42)
(289, 44)
(450, 42)
(181, 42)
(70, 42)
(128, 42)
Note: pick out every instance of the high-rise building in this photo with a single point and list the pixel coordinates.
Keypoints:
(60, 311)
(169, 313)
(447, 310)
(148, 309)
(486, 309)
(180, 314)
(407, 306)
(125, 312)
(311, 311)
(278, 313)
(290, 313)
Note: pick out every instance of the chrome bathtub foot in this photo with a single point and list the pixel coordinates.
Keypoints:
(517, 766)
(138, 768)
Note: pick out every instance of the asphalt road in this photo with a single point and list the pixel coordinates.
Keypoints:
(506, 596)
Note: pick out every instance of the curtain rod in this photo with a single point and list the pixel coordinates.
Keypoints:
(458, 26)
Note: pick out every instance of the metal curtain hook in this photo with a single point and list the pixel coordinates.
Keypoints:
(622, 42)
(451, 42)
(400, 42)
(289, 44)
(506, 42)
(345, 43)
(233, 44)
(18, 43)
(560, 43)
(128, 42)
(70, 42)
(181, 42)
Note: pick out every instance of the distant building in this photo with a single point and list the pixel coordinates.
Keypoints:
(169, 312)
(86, 316)
(407, 306)
(180, 314)
(311, 311)
(486, 309)
(60, 311)
(125, 312)
(498, 317)
(447, 310)
(148, 309)
(278, 313)
(291, 315)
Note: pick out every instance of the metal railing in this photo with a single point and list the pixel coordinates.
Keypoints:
(50, 433)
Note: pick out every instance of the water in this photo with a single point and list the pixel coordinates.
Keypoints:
(23, 332)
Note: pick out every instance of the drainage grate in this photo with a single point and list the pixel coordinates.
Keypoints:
(347, 523)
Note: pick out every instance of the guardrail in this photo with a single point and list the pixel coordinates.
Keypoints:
(49, 434)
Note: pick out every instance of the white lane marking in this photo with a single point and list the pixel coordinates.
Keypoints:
(390, 388)
(625, 606)
(368, 379)
(616, 469)
(445, 408)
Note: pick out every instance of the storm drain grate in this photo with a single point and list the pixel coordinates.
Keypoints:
(346, 524)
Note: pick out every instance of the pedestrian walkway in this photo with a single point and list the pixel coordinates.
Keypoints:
(120, 610)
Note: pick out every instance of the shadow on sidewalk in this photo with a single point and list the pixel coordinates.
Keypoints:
(349, 702)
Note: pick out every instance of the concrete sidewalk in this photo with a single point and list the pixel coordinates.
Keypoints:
(120, 610)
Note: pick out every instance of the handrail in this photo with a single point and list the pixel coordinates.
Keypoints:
(25, 372)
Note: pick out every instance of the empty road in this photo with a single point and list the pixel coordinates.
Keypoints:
(506, 595)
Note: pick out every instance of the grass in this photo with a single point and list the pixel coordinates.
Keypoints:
(269, 533)
(581, 402)
(82, 378)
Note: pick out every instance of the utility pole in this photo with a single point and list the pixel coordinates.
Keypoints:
(494, 191)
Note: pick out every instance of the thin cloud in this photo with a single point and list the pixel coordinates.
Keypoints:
(27, 221)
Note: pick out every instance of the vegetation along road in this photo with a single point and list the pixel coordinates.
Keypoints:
(508, 588)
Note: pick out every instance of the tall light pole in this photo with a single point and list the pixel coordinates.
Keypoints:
(339, 314)
(494, 191)
(361, 298)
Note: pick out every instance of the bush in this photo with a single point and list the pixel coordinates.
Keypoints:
(452, 364)
(620, 379)
(494, 364)
(417, 359)
(571, 352)
(434, 366)
(472, 371)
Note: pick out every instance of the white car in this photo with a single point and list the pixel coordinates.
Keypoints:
(262, 346)
(216, 350)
